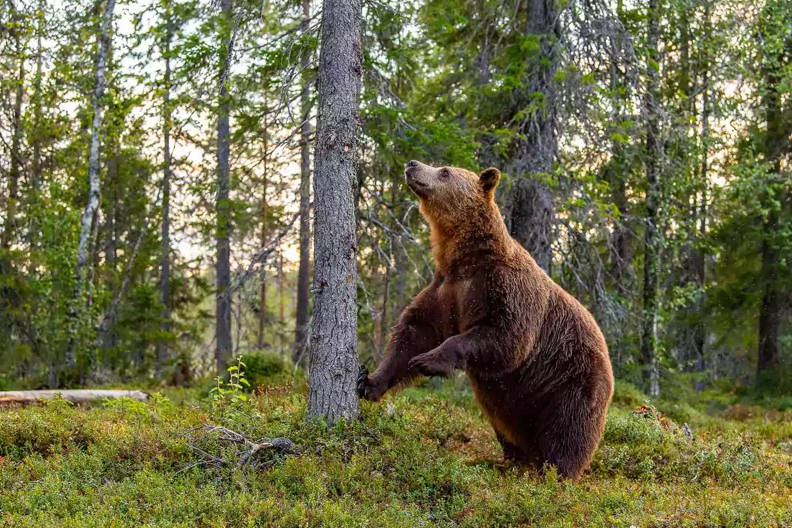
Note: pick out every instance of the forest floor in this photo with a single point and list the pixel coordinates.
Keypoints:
(423, 457)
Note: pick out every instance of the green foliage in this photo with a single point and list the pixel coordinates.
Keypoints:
(266, 368)
(230, 393)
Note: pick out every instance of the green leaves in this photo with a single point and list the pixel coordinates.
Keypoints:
(229, 394)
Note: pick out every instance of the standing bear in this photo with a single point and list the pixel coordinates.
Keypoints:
(536, 359)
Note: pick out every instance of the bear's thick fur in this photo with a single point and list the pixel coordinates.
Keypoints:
(536, 358)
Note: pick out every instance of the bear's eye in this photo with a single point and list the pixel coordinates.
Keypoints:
(445, 173)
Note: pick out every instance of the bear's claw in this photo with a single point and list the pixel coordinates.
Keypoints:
(362, 386)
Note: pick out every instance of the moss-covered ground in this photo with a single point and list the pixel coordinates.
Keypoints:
(422, 457)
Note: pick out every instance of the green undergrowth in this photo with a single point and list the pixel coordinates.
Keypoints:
(423, 457)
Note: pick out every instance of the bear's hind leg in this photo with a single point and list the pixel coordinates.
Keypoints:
(570, 442)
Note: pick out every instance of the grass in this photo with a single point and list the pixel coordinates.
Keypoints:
(423, 457)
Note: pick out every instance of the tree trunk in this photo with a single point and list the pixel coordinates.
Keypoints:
(163, 352)
(618, 170)
(700, 330)
(775, 142)
(94, 182)
(531, 216)
(223, 210)
(38, 103)
(281, 306)
(9, 295)
(107, 336)
(14, 173)
(651, 235)
(334, 362)
(263, 240)
(772, 301)
(304, 271)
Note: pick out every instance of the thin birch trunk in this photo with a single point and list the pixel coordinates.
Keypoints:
(94, 181)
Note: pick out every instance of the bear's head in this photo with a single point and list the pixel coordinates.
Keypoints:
(451, 193)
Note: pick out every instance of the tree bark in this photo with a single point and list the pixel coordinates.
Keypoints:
(281, 306)
(9, 295)
(263, 242)
(531, 215)
(223, 210)
(163, 352)
(107, 336)
(94, 180)
(304, 270)
(334, 362)
(38, 102)
(14, 173)
(700, 330)
(776, 142)
(651, 235)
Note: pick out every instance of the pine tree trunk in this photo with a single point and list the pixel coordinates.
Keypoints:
(700, 330)
(621, 238)
(94, 181)
(304, 270)
(163, 352)
(281, 307)
(107, 335)
(531, 214)
(263, 242)
(9, 293)
(14, 173)
(651, 236)
(38, 102)
(334, 362)
(770, 311)
(223, 264)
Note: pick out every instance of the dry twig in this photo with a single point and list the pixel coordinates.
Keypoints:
(248, 454)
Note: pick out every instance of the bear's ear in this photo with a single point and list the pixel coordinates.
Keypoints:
(489, 179)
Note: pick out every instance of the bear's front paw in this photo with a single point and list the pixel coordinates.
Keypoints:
(365, 388)
(431, 364)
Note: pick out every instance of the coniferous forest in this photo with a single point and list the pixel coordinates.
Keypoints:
(206, 199)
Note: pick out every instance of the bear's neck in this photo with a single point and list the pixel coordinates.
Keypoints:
(460, 244)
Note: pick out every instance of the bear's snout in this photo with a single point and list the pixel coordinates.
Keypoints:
(411, 170)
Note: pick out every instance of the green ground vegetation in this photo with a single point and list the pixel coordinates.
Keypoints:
(422, 457)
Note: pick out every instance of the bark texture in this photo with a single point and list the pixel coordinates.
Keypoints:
(651, 236)
(304, 271)
(222, 208)
(164, 284)
(531, 214)
(264, 235)
(775, 145)
(334, 362)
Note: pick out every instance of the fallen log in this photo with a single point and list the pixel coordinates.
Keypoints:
(74, 396)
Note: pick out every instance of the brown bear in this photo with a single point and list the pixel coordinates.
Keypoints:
(536, 359)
